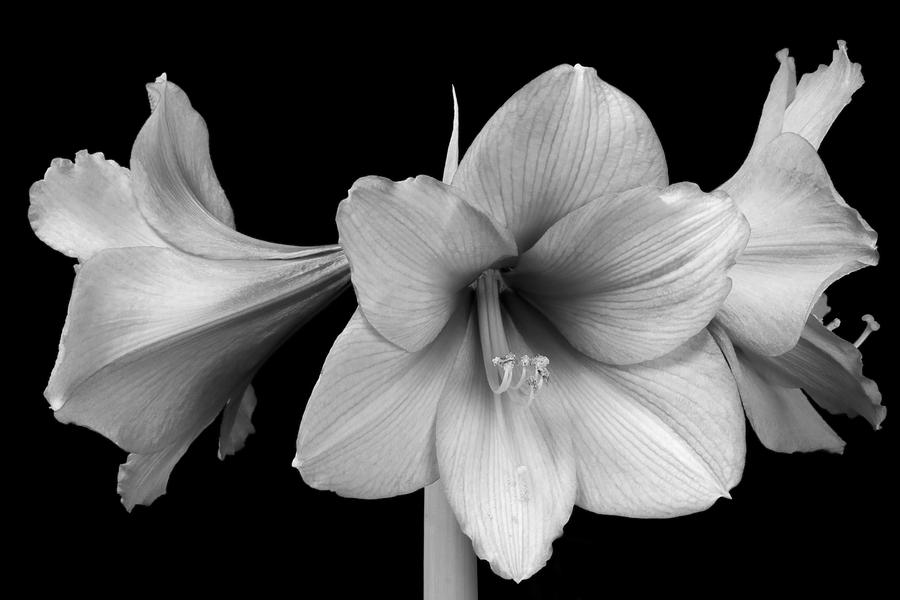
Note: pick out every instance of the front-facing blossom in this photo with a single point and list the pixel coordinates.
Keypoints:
(804, 236)
(172, 311)
(531, 330)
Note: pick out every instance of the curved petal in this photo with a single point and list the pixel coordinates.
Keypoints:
(144, 477)
(508, 469)
(782, 417)
(829, 369)
(83, 207)
(821, 96)
(807, 109)
(413, 246)
(658, 439)
(781, 93)
(368, 429)
(177, 189)
(156, 341)
(803, 237)
(237, 422)
(564, 138)
(629, 278)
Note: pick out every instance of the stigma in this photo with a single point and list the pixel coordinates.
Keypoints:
(871, 326)
(519, 377)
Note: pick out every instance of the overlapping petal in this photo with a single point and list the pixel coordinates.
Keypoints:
(414, 246)
(659, 439)
(563, 139)
(156, 341)
(803, 237)
(176, 186)
(782, 417)
(143, 477)
(821, 96)
(83, 207)
(829, 369)
(508, 470)
(629, 277)
(368, 428)
(807, 109)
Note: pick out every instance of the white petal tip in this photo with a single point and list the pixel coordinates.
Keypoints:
(161, 79)
(296, 462)
(56, 402)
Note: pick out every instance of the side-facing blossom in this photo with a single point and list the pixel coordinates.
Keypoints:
(172, 311)
(557, 246)
(804, 236)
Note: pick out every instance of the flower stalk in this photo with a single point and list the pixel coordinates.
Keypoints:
(449, 563)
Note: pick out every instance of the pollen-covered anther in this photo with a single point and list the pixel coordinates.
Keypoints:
(533, 374)
(871, 325)
(505, 364)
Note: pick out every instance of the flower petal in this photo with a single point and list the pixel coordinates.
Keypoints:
(237, 422)
(156, 341)
(627, 278)
(658, 439)
(564, 138)
(803, 237)
(782, 417)
(177, 188)
(413, 246)
(781, 93)
(807, 109)
(368, 429)
(508, 470)
(829, 369)
(143, 477)
(821, 96)
(83, 207)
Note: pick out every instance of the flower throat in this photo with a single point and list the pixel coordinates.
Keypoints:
(521, 377)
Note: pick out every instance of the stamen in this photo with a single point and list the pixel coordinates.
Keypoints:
(499, 363)
(871, 325)
(835, 323)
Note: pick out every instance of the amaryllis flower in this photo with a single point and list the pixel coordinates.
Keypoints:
(532, 330)
(803, 237)
(172, 311)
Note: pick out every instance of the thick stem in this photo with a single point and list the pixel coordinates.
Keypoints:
(449, 566)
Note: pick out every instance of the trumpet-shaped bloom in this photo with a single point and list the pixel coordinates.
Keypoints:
(803, 237)
(531, 330)
(172, 311)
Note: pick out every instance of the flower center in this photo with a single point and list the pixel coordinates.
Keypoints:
(520, 377)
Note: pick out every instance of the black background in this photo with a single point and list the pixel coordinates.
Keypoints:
(294, 119)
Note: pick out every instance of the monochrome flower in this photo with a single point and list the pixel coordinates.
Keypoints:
(532, 330)
(804, 236)
(172, 311)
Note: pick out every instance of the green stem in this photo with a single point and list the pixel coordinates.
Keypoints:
(449, 565)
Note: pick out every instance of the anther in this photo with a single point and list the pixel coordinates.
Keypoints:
(505, 363)
(834, 324)
(871, 325)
